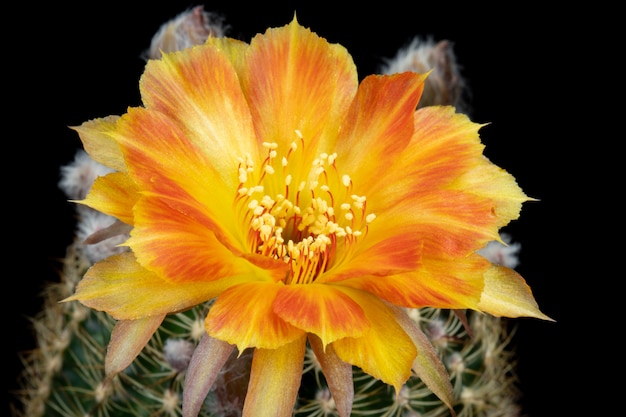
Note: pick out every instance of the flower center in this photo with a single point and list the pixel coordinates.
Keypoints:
(306, 217)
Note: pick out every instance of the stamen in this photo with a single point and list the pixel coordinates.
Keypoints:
(303, 231)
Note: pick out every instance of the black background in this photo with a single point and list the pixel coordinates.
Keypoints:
(83, 62)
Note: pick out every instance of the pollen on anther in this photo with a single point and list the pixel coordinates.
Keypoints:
(243, 175)
(359, 201)
(346, 180)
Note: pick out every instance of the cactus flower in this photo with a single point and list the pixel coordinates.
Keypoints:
(311, 208)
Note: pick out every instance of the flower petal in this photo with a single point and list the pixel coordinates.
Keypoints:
(254, 324)
(200, 90)
(506, 294)
(493, 182)
(440, 283)
(385, 351)
(99, 144)
(451, 223)
(392, 254)
(297, 78)
(274, 380)
(127, 291)
(205, 365)
(379, 125)
(420, 191)
(323, 310)
(338, 375)
(114, 194)
(446, 153)
(443, 146)
(443, 223)
(163, 161)
(128, 338)
(183, 248)
(427, 364)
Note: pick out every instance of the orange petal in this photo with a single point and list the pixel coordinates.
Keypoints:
(444, 283)
(392, 254)
(96, 136)
(338, 375)
(506, 294)
(243, 315)
(206, 363)
(162, 160)
(440, 223)
(234, 49)
(295, 77)
(450, 223)
(127, 340)
(199, 89)
(385, 351)
(443, 146)
(114, 194)
(182, 248)
(127, 291)
(492, 182)
(427, 364)
(324, 310)
(378, 126)
(274, 380)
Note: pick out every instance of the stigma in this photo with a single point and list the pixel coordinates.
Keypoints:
(303, 214)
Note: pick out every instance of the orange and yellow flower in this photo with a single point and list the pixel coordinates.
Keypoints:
(310, 207)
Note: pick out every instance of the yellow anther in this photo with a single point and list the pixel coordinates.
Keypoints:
(243, 175)
(267, 201)
(299, 228)
(270, 145)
